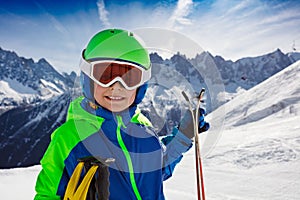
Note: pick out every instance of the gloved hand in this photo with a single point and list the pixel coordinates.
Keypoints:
(186, 125)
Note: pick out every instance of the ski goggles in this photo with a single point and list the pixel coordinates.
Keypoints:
(106, 72)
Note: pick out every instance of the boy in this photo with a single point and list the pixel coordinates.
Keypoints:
(106, 123)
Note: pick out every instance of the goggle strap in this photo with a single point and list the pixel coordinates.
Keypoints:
(86, 67)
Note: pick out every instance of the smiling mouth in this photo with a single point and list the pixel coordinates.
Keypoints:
(114, 98)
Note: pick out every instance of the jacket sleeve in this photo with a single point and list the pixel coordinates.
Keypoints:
(52, 170)
(175, 145)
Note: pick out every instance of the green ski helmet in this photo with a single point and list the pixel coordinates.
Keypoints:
(119, 45)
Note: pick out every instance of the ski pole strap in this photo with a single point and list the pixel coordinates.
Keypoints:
(82, 189)
(95, 182)
(73, 181)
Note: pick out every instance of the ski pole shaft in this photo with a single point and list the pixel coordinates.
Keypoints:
(196, 149)
(198, 158)
(198, 163)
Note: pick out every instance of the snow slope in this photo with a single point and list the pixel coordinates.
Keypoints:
(18, 183)
(254, 161)
(258, 154)
(256, 157)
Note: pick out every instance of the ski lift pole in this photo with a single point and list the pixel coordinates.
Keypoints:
(198, 163)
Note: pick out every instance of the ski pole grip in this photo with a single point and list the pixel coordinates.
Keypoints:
(201, 93)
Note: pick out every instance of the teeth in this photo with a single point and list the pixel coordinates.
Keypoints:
(115, 98)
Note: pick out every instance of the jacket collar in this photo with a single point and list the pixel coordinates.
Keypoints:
(96, 109)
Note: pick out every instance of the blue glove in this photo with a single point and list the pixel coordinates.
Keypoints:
(186, 125)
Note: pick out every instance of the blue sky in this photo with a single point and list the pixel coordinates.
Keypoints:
(59, 30)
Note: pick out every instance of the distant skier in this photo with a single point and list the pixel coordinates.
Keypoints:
(106, 123)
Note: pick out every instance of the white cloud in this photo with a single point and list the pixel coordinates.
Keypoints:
(282, 17)
(235, 29)
(103, 13)
(181, 13)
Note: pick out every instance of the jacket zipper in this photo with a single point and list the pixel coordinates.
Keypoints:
(127, 156)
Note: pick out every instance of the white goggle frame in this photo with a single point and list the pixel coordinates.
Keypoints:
(87, 68)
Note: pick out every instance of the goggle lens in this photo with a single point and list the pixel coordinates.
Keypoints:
(107, 72)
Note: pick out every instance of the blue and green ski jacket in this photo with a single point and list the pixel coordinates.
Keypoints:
(142, 159)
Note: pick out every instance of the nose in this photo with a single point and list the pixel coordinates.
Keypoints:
(117, 86)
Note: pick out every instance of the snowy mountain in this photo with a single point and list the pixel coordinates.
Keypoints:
(278, 95)
(36, 100)
(245, 73)
(236, 77)
(164, 101)
(256, 155)
(26, 129)
(294, 56)
(23, 81)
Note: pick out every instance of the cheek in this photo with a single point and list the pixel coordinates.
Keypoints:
(98, 91)
(95, 91)
(132, 97)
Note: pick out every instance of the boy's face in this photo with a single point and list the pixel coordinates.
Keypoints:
(114, 98)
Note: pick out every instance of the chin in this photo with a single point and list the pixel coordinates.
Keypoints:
(116, 109)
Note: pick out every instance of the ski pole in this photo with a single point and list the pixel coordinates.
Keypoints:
(198, 163)
(198, 143)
